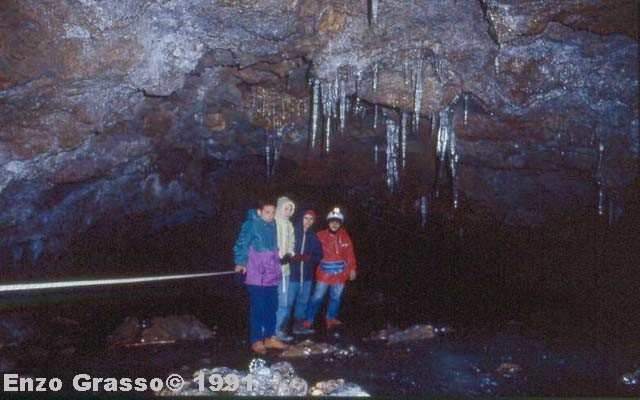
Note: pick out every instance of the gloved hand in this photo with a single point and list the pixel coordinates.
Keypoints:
(286, 259)
(240, 275)
(239, 278)
(300, 257)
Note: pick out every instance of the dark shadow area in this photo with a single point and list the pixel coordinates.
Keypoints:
(558, 301)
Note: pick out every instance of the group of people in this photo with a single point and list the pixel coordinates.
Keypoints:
(281, 262)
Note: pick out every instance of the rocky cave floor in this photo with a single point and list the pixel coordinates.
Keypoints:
(569, 338)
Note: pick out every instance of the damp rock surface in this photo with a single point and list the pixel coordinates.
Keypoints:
(308, 348)
(159, 330)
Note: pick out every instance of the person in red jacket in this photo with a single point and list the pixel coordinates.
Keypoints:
(338, 265)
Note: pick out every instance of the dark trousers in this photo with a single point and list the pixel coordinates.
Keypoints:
(262, 312)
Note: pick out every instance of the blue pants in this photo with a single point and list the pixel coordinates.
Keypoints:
(283, 303)
(262, 312)
(335, 294)
(300, 294)
(297, 295)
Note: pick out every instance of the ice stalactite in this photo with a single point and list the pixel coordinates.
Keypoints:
(359, 110)
(466, 108)
(357, 87)
(406, 73)
(600, 178)
(329, 95)
(496, 62)
(417, 97)
(272, 148)
(375, 154)
(277, 109)
(277, 146)
(441, 147)
(373, 12)
(327, 100)
(342, 93)
(424, 208)
(446, 149)
(453, 166)
(375, 87)
(327, 133)
(392, 155)
(267, 152)
(403, 131)
(375, 77)
(601, 198)
(314, 112)
(375, 116)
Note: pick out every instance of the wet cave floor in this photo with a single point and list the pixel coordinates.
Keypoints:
(564, 311)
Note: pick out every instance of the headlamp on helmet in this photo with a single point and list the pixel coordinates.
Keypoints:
(335, 215)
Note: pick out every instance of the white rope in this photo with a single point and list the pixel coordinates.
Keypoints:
(95, 282)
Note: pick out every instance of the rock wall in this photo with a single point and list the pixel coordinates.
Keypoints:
(109, 109)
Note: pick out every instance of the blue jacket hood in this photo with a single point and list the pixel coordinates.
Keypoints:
(256, 233)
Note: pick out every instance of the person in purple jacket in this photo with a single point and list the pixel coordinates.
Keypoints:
(256, 256)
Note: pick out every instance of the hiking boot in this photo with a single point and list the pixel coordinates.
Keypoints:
(283, 337)
(303, 329)
(333, 323)
(274, 343)
(259, 348)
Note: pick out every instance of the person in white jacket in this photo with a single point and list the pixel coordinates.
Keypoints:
(286, 244)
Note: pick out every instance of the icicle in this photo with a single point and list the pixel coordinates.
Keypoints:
(423, 211)
(373, 12)
(443, 135)
(375, 116)
(417, 97)
(375, 77)
(277, 146)
(357, 109)
(327, 134)
(405, 71)
(267, 153)
(375, 154)
(453, 165)
(343, 102)
(392, 155)
(328, 93)
(466, 108)
(496, 61)
(441, 147)
(404, 138)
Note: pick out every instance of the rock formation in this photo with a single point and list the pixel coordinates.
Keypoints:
(117, 109)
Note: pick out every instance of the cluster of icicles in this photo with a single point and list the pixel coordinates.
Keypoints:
(330, 101)
(277, 111)
(331, 105)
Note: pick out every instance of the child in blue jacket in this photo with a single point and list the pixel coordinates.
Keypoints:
(256, 255)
